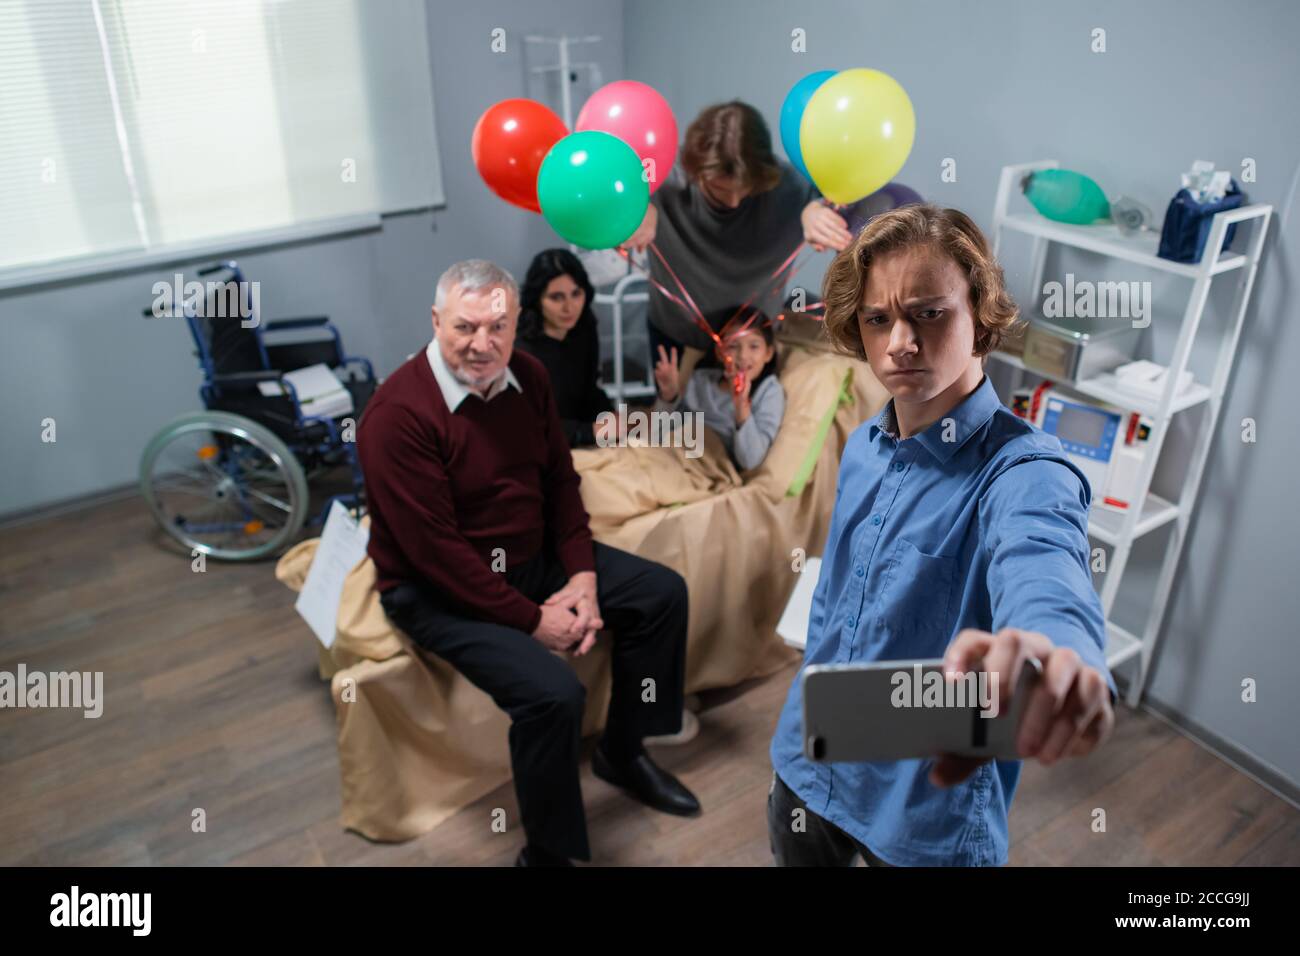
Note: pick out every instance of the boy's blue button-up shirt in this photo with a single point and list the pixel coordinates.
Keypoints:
(978, 521)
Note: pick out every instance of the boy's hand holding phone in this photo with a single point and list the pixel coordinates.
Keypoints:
(1069, 710)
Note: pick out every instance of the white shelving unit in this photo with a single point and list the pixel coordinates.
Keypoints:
(1121, 530)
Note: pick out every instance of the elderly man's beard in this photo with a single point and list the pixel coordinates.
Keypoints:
(475, 381)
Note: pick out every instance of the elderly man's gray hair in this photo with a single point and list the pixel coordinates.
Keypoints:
(474, 275)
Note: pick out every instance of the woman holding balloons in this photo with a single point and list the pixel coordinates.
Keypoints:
(727, 215)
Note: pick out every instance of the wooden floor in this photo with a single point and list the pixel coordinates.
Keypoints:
(212, 701)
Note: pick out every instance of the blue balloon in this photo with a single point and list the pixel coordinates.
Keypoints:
(792, 115)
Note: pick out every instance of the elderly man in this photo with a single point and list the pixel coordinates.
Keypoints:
(484, 558)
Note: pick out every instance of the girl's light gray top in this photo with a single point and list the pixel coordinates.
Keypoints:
(749, 443)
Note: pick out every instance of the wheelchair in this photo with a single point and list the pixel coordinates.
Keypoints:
(231, 481)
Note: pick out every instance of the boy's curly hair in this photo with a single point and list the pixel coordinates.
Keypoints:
(996, 313)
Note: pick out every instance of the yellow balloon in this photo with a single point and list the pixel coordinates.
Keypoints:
(856, 133)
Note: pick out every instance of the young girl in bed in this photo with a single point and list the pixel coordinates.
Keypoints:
(744, 403)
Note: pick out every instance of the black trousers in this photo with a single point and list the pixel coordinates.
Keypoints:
(805, 839)
(643, 604)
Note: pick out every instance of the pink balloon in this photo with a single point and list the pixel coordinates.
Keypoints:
(640, 117)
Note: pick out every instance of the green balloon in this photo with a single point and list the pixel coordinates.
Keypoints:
(1066, 196)
(592, 189)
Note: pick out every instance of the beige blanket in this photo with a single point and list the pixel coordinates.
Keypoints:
(417, 741)
(620, 483)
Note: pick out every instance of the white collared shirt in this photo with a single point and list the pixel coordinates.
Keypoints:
(455, 391)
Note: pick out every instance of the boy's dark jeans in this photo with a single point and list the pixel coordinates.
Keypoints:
(806, 839)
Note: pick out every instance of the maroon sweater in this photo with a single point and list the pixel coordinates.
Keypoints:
(445, 489)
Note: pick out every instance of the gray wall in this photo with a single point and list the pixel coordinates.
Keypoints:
(999, 83)
(80, 352)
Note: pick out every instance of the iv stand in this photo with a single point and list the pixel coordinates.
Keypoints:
(565, 68)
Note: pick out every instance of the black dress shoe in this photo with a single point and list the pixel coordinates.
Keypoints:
(647, 782)
(531, 856)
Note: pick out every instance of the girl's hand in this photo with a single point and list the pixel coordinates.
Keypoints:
(824, 228)
(666, 375)
(741, 385)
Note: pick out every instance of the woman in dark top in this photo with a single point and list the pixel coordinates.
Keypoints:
(558, 327)
(724, 218)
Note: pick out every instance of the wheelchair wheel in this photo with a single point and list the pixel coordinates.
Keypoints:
(225, 486)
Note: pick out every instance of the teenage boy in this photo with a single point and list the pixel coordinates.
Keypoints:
(959, 532)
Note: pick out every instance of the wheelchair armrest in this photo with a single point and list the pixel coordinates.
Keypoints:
(248, 381)
(306, 322)
(368, 369)
(247, 378)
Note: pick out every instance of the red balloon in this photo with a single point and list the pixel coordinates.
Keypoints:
(639, 116)
(510, 141)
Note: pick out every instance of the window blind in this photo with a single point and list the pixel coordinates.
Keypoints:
(143, 126)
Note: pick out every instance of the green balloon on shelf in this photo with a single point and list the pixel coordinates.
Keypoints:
(592, 189)
(1066, 196)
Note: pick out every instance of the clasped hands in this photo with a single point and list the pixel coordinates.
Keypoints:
(571, 616)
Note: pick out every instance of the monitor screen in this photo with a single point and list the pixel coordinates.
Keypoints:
(1081, 426)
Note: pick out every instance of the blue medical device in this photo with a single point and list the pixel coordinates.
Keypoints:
(1085, 430)
(1107, 444)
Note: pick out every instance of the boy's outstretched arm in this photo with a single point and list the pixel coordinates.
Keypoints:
(1033, 525)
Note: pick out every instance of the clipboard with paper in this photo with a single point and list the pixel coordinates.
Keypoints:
(342, 547)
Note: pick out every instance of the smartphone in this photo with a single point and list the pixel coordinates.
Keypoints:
(899, 710)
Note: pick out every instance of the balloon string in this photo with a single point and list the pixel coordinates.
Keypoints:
(764, 287)
(684, 301)
(666, 293)
(766, 283)
(687, 304)
(729, 333)
(695, 309)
